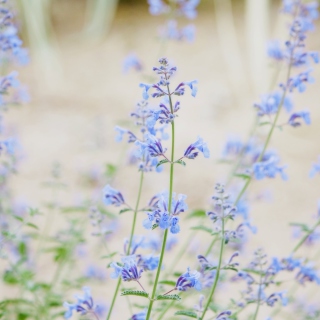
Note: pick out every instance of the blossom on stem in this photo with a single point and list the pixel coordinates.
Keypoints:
(128, 271)
(193, 150)
(315, 169)
(268, 168)
(84, 305)
(189, 280)
(162, 217)
(112, 196)
(303, 115)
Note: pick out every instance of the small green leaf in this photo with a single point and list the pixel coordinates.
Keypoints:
(161, 162)
(242, 175)
(175, 297)
(124, 210)
(29, 224)
(181, 162)
(155, 226)
(109, 255)
(202, 228)
(110, 170)
(135, 293)
(18, 218)
(168, 282)
(230, 268)
(189, 314)
(264, 123)
(197, 214)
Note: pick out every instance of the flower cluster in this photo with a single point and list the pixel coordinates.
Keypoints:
(160, 214)
(175, 9)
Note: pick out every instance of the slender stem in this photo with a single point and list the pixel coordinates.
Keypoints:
(130, 243)
(217, 273)
(169, 210)
(135, 213)
(141, 286)
(114, 298)
(214, 240)
(259, 298)
(301, 242)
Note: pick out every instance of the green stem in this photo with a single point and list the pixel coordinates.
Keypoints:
(130, 242)
(259, 298)
(169, 210)
(216, 279)
(114, 298)
(135, 213)
(301, 242)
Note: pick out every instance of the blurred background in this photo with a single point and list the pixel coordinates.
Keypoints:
(80, 91)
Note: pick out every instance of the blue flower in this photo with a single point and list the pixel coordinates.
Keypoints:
(270, 103)
(315, 169)
(304, 115)
(274, 50)
(199, 145)
(268, 168)
(157, 7)
(189, 280)
(274, 297)
(180, 89)
(132, 62)
(154, 146)
(112, 196)
(299, 81)
(188, 8)
(128, 271)
(160, 214)
(84, 304)
(224, 315)
(148, 262)
(146, 88)
(140, 316)
(121, 132)
(307, 273)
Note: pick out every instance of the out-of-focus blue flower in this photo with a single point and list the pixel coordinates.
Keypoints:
(192, 151)
(268, 168)
(112, 196)
(274, 50)
(270, 103)
(188, 8)
(274, 297)
(307, 273)
(132, 62)
(303, 115)
(95, 273)
(189, 280)
(315, 169)
(84, 304)
(122, 132)
(157, 7)
(140, 316)
(225, 315)
(148, 262)
(299, 81)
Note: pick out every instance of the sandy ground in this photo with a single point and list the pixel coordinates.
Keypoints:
(77, 103)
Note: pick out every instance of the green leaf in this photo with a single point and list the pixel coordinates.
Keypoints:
(29, 224)
(202, 228)
(264, 123)
(161, 162)
(242, 176)
(189, 314)
(124, 210)
(109, 255)
(303, 226)
(175, 297)
(230, 268)
(72, 209)
(155, 226)
(181, 162)
(197, 214)
(110, 170)
(18, 218)
(135, 293)
(168, 282)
